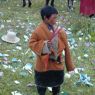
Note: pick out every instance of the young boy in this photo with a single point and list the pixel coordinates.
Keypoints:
(48, 43)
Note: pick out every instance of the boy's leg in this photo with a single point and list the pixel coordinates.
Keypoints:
(47, 2)
(41, 90)
(70, 4)
(56, 90)
(24, 3)
(29, 3)
(52, 3)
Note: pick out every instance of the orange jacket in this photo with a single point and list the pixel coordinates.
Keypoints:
(36, 44)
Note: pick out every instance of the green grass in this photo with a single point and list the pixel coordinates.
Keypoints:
(22, 17)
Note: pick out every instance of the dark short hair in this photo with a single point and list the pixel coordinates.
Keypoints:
(47, 11)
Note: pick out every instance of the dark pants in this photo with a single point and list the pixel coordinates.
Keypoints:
(70, 4)
(29, 3)
(42, 90)
(52, 2)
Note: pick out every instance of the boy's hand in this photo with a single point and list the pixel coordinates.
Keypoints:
(75, 71)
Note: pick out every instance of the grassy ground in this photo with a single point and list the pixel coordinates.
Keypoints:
(23, 21)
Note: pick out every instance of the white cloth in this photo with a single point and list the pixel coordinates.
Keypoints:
(45, 48)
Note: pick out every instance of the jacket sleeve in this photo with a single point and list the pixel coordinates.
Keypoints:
(68, 61)
(35, 44)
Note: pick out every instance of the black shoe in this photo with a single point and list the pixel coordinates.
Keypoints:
(52, 5)
(29, 4)
(91, 16)
(24, 4)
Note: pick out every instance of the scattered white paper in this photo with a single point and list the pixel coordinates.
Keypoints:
(16, 93)
(1, 74)
(86, 55)
(18, 47)
(16, 82)
(28, 66)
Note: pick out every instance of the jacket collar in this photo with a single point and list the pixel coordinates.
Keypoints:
(44, 26)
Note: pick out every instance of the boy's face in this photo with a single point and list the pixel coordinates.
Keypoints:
(52, 19)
